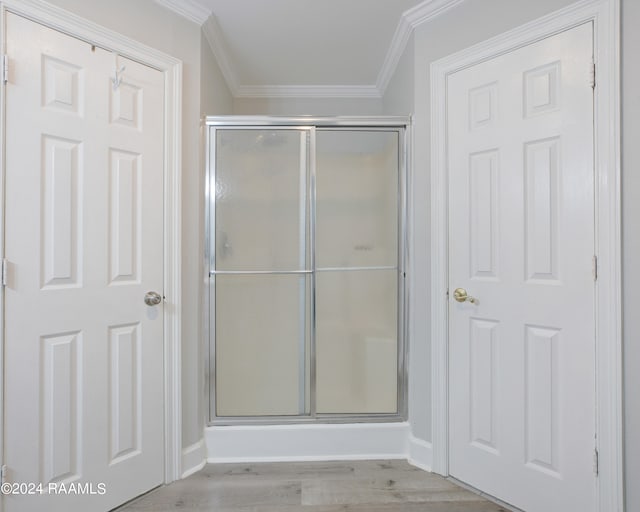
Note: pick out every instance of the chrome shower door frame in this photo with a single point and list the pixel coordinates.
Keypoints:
(307, 125)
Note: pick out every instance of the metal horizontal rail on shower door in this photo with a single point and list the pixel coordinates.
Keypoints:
(280, 272)
(257, 272)
(347, 269)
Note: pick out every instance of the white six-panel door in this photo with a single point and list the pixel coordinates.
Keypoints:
(84, 243)
(521, 242)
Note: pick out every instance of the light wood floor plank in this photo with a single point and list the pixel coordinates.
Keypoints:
(358, 486)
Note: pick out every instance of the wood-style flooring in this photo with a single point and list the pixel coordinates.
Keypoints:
(362, 486)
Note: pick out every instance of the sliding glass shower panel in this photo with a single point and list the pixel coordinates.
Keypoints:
(356, 198)
(356, 354)
(357, 204)
(261, 200)
(262, 338)
(261, 272)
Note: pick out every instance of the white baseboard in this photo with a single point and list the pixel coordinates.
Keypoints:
(194, 457)
(280, 443)
(420, 453)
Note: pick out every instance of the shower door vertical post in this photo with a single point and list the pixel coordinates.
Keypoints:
(403, 266)
(312, 261)
(303, 263)
(210, 222)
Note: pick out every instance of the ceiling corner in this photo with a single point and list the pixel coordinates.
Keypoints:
(195, 11)
(412, 18)
(189, 9)
(213, 35)
(428, 10)
(394, 54)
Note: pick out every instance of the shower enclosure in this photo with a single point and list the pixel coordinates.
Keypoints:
(306, 269)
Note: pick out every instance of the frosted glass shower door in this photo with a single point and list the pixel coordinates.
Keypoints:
(357, 204)
(261, 272)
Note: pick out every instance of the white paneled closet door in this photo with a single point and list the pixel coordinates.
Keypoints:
(84, 244)
(521, 243)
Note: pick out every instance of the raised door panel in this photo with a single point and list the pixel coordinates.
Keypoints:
(542, 168)
(125, 214)
(126, 101)
(542, 398)
(62, 86)
(61, 218)
(61, 407)
(542, 89)
(483, 214)
(484, 360)
(483, 106)
(125, 380)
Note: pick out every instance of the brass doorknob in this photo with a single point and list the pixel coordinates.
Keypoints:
(152, 299)
(460, 294)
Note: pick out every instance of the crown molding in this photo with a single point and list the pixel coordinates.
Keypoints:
(399, 42)
(308, 91)
(217, 43)
(189, 9)
(428, 10)
(412, 18)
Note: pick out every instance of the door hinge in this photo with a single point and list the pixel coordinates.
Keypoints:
(3, 474)
(5, 68)
(594, 266)
(592, 75)
(596, 462)
(4, 269)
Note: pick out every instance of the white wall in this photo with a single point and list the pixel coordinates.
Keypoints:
(307, 106)
(631, 243)
(215, 97)
(398, 99)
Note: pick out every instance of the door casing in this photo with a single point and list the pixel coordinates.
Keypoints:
(605, 16)
(75, 26)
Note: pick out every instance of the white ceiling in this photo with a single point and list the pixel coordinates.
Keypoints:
(338, 48)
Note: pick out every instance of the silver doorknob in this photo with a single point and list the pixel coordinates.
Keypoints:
(152, 299)
(460, 294)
